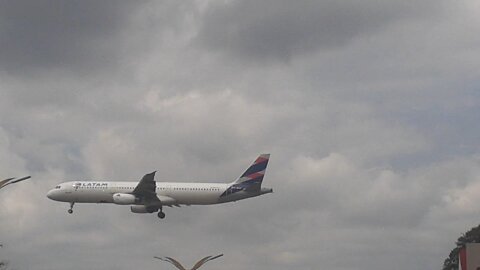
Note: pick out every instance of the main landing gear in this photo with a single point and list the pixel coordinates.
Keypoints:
(161, 214)
(70, 211)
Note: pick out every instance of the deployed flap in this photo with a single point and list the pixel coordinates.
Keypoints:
(146, 188)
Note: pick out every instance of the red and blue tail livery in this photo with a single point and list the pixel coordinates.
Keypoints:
(251, 179)
(255, 173)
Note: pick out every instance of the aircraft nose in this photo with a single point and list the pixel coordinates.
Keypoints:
(52, 194)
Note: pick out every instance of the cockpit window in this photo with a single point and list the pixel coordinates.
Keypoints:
(57, 187)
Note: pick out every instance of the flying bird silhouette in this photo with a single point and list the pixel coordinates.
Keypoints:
(195, 267)
(8, 181)
(5, 182)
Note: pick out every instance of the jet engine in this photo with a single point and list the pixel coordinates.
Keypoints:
(141, 209)
(122, 198)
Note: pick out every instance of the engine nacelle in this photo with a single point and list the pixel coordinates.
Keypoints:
(122, 198)
(142, 209)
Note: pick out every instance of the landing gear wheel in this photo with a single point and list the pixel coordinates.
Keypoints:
(70, 211)
(161, 215)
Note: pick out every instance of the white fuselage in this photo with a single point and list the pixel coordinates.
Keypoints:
(169, 193)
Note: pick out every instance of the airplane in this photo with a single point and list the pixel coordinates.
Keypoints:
(197, 265)
(149, 196)
(9, 181)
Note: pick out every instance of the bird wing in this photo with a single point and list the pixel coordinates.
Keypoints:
(201, 262)
(21, 179)
(204, 260)
(4, 182)
(172, 261)
(218, 256)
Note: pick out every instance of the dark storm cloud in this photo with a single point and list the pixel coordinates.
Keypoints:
(281, 29)
(72, 35)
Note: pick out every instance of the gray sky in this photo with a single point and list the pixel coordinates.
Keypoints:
(370, 110)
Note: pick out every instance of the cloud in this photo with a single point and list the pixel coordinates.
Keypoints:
(76, 36)
(279, 31)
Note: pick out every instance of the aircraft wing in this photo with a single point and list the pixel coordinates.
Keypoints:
(146, 189)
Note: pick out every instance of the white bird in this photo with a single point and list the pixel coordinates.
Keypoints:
(195, 267)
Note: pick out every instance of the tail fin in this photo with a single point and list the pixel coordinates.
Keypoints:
(252, 178)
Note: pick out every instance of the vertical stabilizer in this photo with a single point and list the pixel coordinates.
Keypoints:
(252, 178)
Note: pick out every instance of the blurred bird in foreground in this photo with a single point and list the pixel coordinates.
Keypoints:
(195, 267)
(12, 180)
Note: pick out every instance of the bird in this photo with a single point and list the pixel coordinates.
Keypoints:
(8, 181)
(5, 182)
(195, 267)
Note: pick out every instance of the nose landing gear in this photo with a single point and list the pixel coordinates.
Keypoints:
(70, 211)
(161, 214)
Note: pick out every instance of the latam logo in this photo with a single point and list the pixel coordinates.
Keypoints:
(89, 185)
